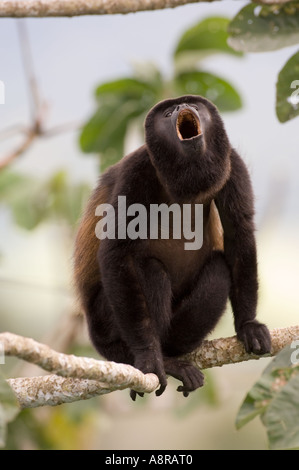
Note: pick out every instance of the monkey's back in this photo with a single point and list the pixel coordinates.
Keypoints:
(87, 275)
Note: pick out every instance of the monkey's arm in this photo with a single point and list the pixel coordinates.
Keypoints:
(236, 209)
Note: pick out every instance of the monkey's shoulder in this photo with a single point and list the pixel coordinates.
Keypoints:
(133, 176)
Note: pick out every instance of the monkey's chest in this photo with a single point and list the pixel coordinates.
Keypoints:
(181, 264)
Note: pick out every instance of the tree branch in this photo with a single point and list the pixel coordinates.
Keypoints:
(52, 8)
(222, 351)
(65, 365)
(31, 134)
(80, 378)
(52, 390)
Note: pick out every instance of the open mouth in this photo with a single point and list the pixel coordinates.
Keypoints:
(187, 125)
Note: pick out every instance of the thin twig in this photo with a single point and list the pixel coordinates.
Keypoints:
(61, 128)
(26, 54)
(30, 136)
(37, 106)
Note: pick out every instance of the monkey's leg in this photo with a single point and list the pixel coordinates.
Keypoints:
(104, 333)
(195, 317)
(139, 293)
(105, 336)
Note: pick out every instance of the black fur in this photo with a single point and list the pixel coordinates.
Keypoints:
(147, 302)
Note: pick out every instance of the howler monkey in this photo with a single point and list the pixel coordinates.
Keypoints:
(150, 300)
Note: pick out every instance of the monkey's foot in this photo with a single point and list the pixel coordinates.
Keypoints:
(191, 377)
(255, 336)
(150, 362)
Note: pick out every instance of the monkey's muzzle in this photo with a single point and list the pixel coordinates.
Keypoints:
(187, 124)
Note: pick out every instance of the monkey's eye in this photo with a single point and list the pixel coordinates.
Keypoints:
(168, 113)
(193, 106)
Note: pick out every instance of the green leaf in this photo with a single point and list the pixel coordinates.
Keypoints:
(287, 90)
(129, 87)
(9, 408)
(259, 28)
(10, 182)
(223, 95)
(106, 127)
(32, 202)
(282, 417)
(22, 194)
(207, 37)
(270, 383)
(119, 102)
(28, 205)
(66, 200)
(256, 400)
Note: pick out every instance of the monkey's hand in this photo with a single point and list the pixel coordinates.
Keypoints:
(150, 362)
(255, 336)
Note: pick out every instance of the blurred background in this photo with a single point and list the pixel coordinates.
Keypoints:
(51, 69)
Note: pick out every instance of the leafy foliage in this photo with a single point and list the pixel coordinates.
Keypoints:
(259, 28)
(275, 398)
(32, 201)
(208, 36)
(287, 102)
(119, 102)
(125, 101)
(223, 95)
(264, 28)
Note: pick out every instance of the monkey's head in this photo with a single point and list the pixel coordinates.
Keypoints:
(188, 146)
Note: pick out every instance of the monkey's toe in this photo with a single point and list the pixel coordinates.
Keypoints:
(256, 338)
(160, 390)
(133, 394)
(191, 377)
